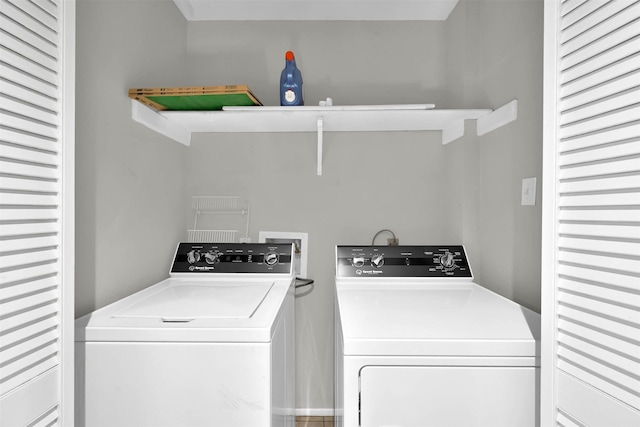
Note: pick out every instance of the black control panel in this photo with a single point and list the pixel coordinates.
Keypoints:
(402, 261)
(232, 258)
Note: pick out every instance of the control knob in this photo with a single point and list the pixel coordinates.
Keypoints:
(377, 260)
(211, 258)
(447, 260)
(357, 261)
(271, 258)
(193, 256)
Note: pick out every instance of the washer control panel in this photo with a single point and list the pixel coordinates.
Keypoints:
(402, 261)
(232, 258)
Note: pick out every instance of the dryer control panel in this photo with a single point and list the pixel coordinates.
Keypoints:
(259, 258)
(402, 261)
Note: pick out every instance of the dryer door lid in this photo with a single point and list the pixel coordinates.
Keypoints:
(184, 302)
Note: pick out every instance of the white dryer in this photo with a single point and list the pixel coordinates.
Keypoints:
(212, 345)
(418, 344)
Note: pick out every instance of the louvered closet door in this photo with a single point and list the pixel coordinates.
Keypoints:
(595, 197)
(36, 142)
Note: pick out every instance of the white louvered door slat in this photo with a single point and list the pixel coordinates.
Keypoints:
(604, 338)
(16, 353)
(611, 182)
(21, 63)
(32, 273)
(46, 420)
(36, 335)
(21, 319)
(615, 135)
(566, 421)
(606, 307)
(37, 214)
(30, 199)
(49, 7)
(26, 230)
(628, 99)
(26, 36)
(598, 200)
(28, 81)
(30, 288)
(29, 53)
(27, 302)
(571, 17)
(594, 320)
(35, 171)
(594, 168)
(48, 118)
(30, 243)
(25, 184)
(28, 367)
(591, 299)
(619, 43)
(606, 276)
(627, 15)
(617, 215)
(601, 153)
(24, 124)
(613, 368)
(598, 375)
(570, 5)
(586, 243)
(28, 140)
(36, 221)
(604, 120)
(12, 153)
(21, 260)
(617, 77)
(36, 16)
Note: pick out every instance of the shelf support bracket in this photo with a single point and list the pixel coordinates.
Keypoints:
(497, 118)
(158, 123)
(320, 124)
(453, 131)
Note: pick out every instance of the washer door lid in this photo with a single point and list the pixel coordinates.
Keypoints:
(182, 302)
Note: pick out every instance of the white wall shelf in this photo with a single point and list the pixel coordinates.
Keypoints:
(316, 10)
(179, 125)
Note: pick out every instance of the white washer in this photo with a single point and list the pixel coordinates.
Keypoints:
(418, 344)
(213, 345)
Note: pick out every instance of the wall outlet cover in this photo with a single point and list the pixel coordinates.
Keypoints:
(528, 191)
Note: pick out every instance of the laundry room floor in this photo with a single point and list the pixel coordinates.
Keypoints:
(306, 421)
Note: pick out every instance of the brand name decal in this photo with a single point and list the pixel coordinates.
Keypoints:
(368, 272)
(200, 268)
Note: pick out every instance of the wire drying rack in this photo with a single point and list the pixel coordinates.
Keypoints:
(223, 219)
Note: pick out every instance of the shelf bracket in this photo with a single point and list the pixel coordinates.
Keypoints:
(498, 118)
(159, 123)
(452, 131)
(320, 124)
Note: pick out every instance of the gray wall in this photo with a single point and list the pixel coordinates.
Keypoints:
(129, 181)
(486, 54)
(496, 56)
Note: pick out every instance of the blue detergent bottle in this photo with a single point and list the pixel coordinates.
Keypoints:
(291, 82)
